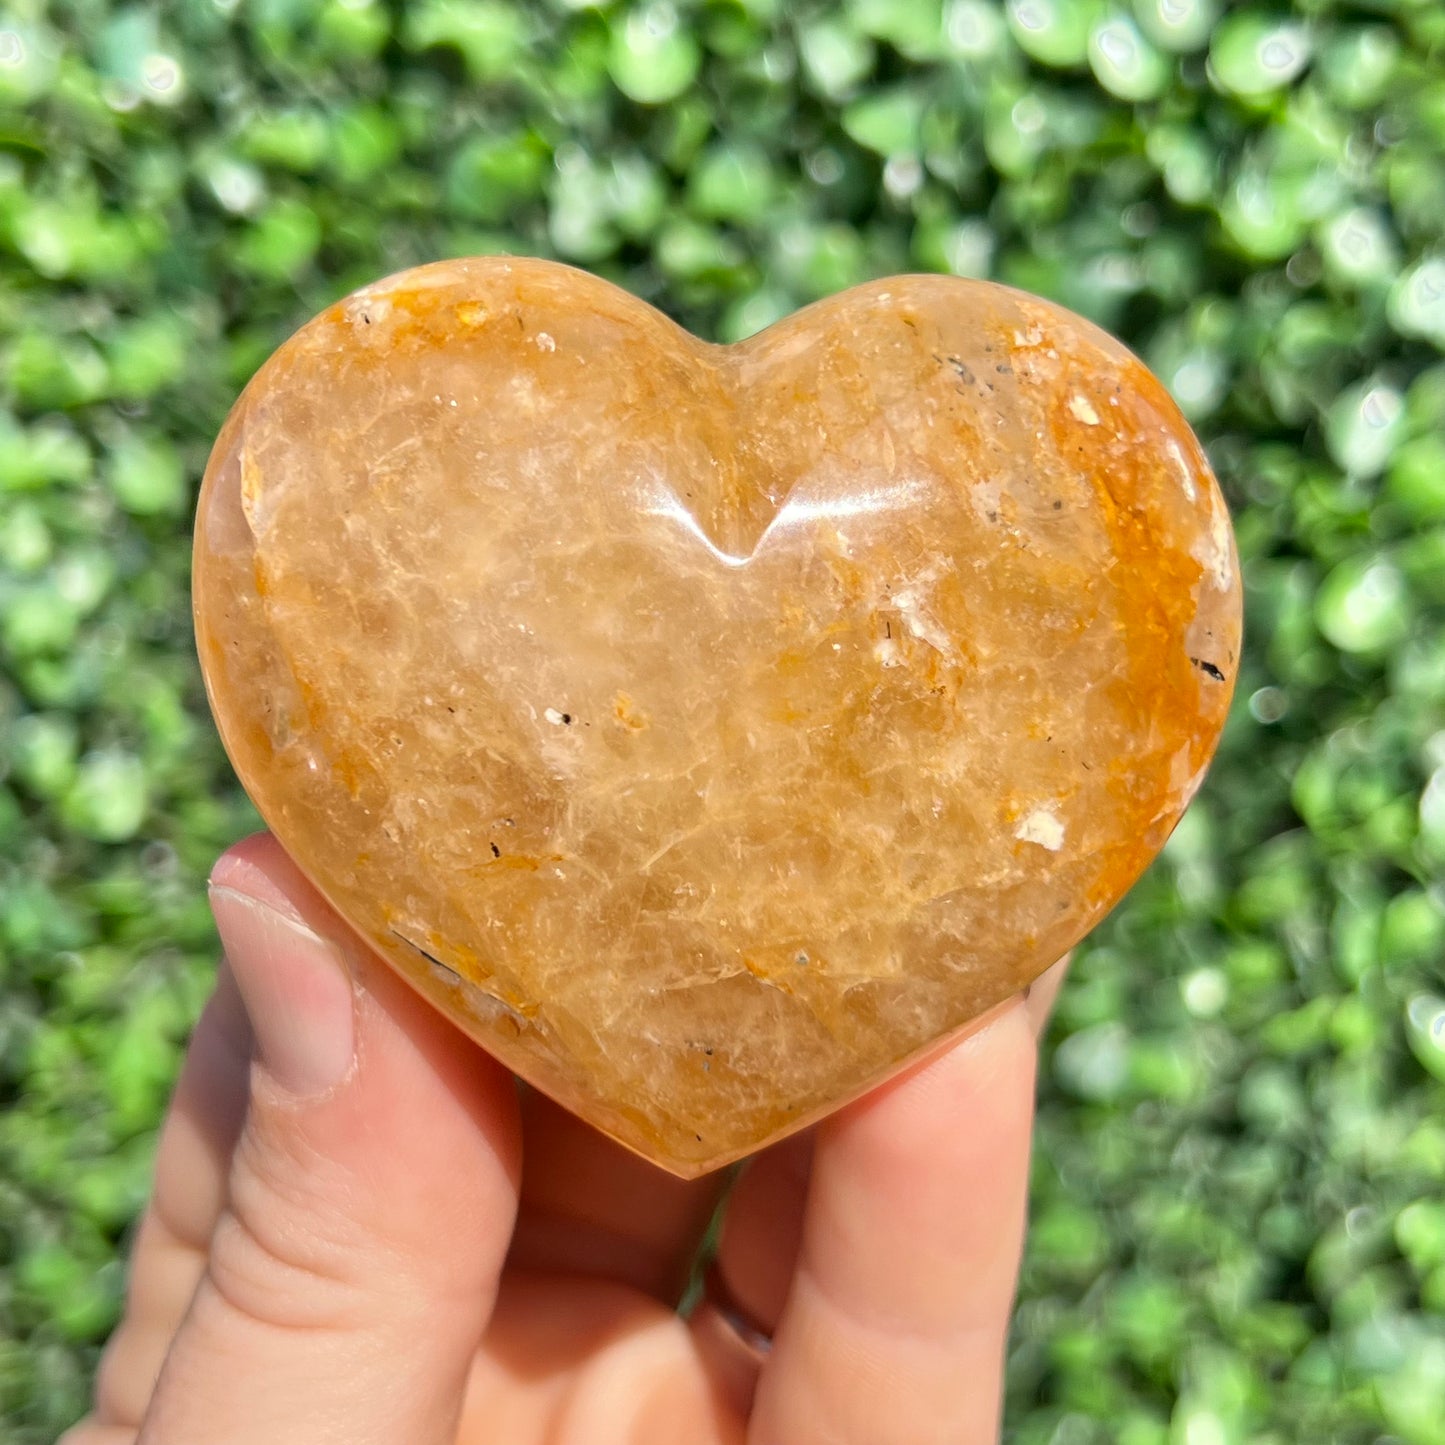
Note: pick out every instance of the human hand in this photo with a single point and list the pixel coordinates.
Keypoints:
(345, 1243)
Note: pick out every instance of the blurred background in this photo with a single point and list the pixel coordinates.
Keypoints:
(1239, 1193)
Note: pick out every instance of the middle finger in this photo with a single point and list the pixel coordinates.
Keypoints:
(591, 1207)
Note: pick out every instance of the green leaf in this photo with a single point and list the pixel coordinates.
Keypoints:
(1125, 63)
(1362, 606)
(1359, 63)
(1425, 1030)
(653, 57)
(835, 56)
(1416, 481)
(1364, 426)
(491, 175)
(1053, 32)
(282, 242)
(1358, 249)
(108, 799)
(354, 29)
(913, 27)
(29, 61)
(44, 752)
(295, 140)
(887, 122)
(147, 475)
(1178, 25)
(49, 453)
(1251, 55)
(1420, 1233)
(47, 373)
(732, 183)
(147, 355)
(1417, 301)
(489, 35)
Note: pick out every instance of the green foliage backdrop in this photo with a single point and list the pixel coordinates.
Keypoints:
(1239, 1217)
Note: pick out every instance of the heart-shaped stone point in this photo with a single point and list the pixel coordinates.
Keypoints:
(707, 730)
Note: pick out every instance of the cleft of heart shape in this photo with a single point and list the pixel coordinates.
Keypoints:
(710, 731)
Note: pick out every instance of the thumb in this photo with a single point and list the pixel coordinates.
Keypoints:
(370, 1200)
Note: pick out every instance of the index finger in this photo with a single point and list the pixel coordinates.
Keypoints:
(895, 1325)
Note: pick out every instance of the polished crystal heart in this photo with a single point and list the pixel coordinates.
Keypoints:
(709, 730)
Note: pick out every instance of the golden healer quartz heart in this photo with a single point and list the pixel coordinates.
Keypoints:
(710, 730)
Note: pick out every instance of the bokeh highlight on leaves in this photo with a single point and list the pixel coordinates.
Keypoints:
(1239, 1191)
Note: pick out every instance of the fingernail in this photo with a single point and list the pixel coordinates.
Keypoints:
(296, 984)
